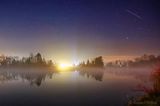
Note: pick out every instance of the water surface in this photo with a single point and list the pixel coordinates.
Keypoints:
(112, 87)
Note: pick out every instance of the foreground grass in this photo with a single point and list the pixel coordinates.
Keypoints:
(152, 95)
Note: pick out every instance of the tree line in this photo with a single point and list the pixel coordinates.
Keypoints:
(142, 61)
(96, 62)
(32, 60)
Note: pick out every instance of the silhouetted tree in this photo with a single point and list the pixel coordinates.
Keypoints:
(88, 63)
(93, 63)
(99, 62)
(143, 61)
(39, 58)
(29, 61)
(96, 62)
(50, 63)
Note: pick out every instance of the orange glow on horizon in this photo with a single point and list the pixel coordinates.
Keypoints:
(113, 58)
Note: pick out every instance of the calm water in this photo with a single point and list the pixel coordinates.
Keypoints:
(112, 87)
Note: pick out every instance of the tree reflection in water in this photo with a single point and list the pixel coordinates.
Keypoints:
(95, 73)
(37, 77)
(34, 78)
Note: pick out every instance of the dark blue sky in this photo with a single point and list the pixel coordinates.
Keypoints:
(72, 30)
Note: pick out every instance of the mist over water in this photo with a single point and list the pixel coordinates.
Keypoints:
(79, 52)
(110, 86)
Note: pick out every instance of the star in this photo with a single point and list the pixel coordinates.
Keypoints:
(127, 38)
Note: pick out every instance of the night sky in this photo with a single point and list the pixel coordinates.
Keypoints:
(74, 30)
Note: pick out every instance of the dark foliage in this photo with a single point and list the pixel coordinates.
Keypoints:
(96, 62)
(32, 60)
(143, 61)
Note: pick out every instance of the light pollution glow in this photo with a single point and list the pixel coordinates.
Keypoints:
(69, 31)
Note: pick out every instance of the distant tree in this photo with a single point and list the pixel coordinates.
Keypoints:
(14, 62)
(96, 62)
(39, 58)
(142, 61)
(31, 55)
(50, 63)
(152, 57)
(88, 63)
(82, 64)
(4, 63)
(32, 58)
(99, 62)
(44, 61)
(93, 63)
(28, 60)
